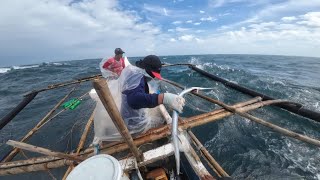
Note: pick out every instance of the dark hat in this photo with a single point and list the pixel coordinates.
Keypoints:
(118, 51)
(152, 65)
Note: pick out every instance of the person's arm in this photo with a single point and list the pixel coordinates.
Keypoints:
(137, 98)
(107, 64)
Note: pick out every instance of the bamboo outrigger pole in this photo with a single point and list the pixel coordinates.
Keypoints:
(300, 110)
(9, 156)
(289, 107)
(45, 151)
(26, 100)
(260, 121)
(104, 94)
(68, 83)
(43, 163)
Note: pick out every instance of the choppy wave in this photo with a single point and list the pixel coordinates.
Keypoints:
(4, 70)
(55, 64)
(25, 67)
(245, 149)
(7, 69)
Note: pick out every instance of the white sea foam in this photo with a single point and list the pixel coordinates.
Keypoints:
(194, 60)
(4, 70)
(25, 67)
(58, 64)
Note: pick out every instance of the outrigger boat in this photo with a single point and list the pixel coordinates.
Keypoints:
(154, 154)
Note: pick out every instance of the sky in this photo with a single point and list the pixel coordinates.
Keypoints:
(33, 31)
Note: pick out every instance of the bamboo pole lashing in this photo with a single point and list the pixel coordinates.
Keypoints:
(105, 96)
(155, 134)
(158, 133)
(44, 151)
(14, 152)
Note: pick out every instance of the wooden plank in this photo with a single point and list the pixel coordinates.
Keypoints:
(45, 151)
(149, 157)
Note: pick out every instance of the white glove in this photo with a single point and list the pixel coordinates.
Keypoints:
(174, 101)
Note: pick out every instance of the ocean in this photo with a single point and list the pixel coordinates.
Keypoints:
(245, 149)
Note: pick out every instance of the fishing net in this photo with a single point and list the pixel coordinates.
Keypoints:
(137, 121)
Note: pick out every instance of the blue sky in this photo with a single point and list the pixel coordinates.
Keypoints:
(33, 31)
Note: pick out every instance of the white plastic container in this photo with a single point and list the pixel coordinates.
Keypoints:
(99, 167)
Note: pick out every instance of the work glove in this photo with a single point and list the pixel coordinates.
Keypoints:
(174, 101)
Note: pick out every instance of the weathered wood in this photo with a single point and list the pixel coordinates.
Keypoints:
(282, 130)
(68, 83)
(44, 151)
(208, 156)
(81, 142)
(14, 152)
(297, 109)
(165, 114)
(149, 157)
(270, 125)
(216, 115)
(105, 96)
(191, 155)
(194, 159)
(152, 135)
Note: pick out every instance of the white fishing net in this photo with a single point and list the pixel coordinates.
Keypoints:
(137, 121)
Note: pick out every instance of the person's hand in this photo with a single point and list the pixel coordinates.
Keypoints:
(174, 101)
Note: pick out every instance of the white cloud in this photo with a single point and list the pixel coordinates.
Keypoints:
(202, 12)
(224, 14)
(200, 31)
(165, 12)
(311, 19)
(177, 22)
(189, 21)
(155, 9)
(216, 3)
(210, 19)
(88, 29)
(197, 23)
(180, 29)
(186, 37)
(287, 7)
(289, 19)
(39, 30)
(273, 37)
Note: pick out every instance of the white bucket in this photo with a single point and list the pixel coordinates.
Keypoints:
(99, 167)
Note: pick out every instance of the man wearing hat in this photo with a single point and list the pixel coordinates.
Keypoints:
(114, 64)
(135, 93)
